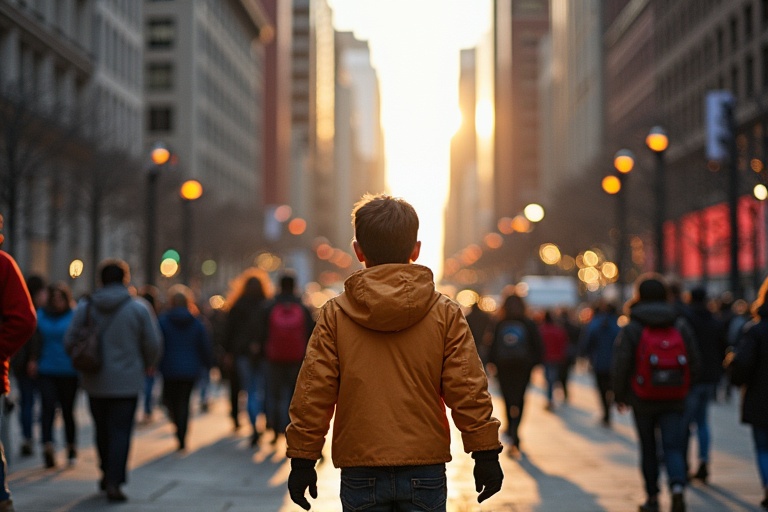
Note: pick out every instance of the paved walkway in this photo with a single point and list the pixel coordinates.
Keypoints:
(570, 464)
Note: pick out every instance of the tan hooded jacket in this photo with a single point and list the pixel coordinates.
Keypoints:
(390, 353)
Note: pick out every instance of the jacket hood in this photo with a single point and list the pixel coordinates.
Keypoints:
(389, 297)
(180, 316)
(655, 314)
(106, 299)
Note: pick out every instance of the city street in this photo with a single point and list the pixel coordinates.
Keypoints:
(570, 463)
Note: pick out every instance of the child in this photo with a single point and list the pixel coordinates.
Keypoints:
(388, 355)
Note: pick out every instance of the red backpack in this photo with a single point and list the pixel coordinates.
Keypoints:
(661, 365)
(287, 336)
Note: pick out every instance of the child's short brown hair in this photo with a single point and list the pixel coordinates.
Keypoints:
(386, 228)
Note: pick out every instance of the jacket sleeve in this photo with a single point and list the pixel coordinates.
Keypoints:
(151, 337)
(743, 366)
(537, 346)
(17, 313)
(623, 362)
(204, 345)
(317, 391)
(465, 387)
(691, 347)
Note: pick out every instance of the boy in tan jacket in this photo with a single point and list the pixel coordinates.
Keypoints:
(388, 355)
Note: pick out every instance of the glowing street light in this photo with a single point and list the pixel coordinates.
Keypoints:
(159, 155)
(191, 190)
(534, 212)
(658, 142)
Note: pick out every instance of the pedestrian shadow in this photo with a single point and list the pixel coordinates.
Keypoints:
(717, 494)
(557, 493)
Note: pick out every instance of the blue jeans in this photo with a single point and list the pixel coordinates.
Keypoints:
(696, 408)
(669, 424)
(552, 374)
(760, 436)
(253, 381)
(28, 390)
(399, 488)
(5, 493)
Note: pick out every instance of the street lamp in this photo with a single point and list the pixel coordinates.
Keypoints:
(159, 156)
(623, 162)
(191, 190)
(657, 141)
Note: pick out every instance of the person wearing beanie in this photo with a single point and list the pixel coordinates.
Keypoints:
(650, 311)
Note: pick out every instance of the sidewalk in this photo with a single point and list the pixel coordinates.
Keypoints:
(570, 463)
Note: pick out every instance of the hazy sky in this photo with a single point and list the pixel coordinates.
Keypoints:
(415, 48)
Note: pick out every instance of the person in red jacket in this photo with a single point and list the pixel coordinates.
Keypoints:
(555, 339)
(17, 324)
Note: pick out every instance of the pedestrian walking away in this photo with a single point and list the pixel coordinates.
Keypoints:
(655, 359)
(747, 365)
(388, 355)
(515, 350)
(187, 350)
(17, 324)
(24, 369)
(243, 348)
(57, 378)
(287, 326)
(130, 344)
(556, 342)
(711, 341)
(597, 345)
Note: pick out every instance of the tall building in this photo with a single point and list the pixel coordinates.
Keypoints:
(313, 85)
(277, 103)
(359, 148)
(78, 66)
(519, 27)
(205, 91)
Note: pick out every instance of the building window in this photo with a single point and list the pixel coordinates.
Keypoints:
(161, 33)
(734, 24)
(764, 9)
(719, 42)
(160, 119)
(765, 68)
(747, 23)
(749, 76)
(160, 76)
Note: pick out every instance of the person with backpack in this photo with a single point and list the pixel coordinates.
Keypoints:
(287, 326)
(515, 349)
(597, 345)
(747, 366)
(654, 361)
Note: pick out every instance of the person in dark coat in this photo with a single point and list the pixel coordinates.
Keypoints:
(513, 370)
(187, 350)
(481, 325)
(710, 339)
(651, 307)
(24, 368)
(747, 366)
(597, 345)
(243, 349)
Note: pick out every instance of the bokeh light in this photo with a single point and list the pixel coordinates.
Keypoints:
(169, 267)
(76, 269)
(208, 268)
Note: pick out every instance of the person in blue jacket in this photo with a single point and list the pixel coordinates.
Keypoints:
(188, 350)
(57, 378)
(597, 344)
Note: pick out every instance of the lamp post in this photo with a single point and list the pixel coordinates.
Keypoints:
(191, 190)
(657, 141)
(623, 162)
(160, 156)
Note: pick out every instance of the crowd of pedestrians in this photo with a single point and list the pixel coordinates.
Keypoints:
(664, 356)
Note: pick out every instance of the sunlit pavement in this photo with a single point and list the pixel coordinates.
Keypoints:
(570, 463)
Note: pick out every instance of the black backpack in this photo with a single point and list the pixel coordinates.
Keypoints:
(512, 344)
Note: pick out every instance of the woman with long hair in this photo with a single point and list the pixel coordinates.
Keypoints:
(748, 367)
(243, 350)
(57, 378)
(515, 349)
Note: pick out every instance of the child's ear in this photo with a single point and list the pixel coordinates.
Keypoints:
(358, 251)
(416, 251)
